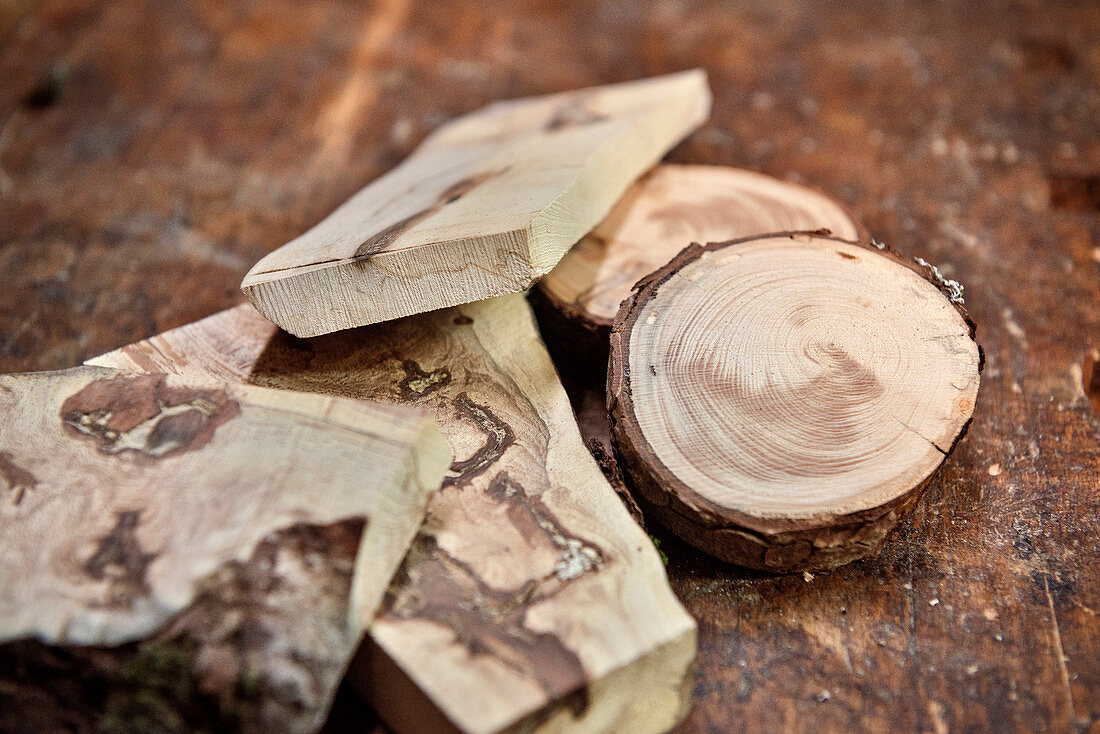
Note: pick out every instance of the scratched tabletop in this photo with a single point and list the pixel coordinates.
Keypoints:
(151, 151)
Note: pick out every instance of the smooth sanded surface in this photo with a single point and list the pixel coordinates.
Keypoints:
(671, 207)
(792, 377)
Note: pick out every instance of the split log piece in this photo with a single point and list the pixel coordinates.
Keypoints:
(177, 555)
(531, 600)
(485, 206)
(780, 402)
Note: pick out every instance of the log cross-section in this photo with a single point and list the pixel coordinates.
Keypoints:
(780, 402)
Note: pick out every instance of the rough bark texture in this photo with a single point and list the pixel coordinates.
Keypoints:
(182, 556)
(530, 601)
(191, 138)
(785, 539)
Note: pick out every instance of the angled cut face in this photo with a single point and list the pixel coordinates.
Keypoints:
(796, 377)
(668, 209)
(530, 601)
(485, 206)
(184, 516)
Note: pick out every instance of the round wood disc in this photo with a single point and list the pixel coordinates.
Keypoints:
(780, 401)
(670, 207)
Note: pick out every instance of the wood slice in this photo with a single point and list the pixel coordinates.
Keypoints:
(485, 206)
(178, 556)
(780, 402)
(531, 601)
(668, 208)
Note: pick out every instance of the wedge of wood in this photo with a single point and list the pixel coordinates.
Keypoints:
(485, 206)
(531, 601)
(667, 209)
(780, 402)
(178, 555)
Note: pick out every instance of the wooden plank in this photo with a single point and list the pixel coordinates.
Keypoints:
(782, 401)
(531, 600)
(485, 206)
(181, 555)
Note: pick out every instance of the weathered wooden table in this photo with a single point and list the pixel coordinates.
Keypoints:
(151, 151)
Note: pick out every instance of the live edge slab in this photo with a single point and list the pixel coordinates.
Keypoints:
(485, 206)
(178, 555)
(531, 600)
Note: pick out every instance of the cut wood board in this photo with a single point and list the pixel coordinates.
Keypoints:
(669, 208)
(531, 601)
(180, 555)
(780, 402)
(485, 206)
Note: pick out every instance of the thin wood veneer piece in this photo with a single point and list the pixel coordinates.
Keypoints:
(177, 555)
(780, 402)
(485, 206)
(531, 601)
(668, 208)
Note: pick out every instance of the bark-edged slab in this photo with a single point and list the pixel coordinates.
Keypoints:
(531, 601)
(668, 208)
(183, 555)
(485, 206)
(781, 401)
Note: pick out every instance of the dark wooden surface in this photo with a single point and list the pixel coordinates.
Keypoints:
(150, 152)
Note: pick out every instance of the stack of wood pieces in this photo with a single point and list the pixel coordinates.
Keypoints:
(398, 464)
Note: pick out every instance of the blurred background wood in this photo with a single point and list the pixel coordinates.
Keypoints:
(151, 152)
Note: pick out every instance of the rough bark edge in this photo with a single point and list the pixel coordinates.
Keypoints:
(819, 542)
(569, 331)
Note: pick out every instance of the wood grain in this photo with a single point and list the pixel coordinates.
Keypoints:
(664, 212)
(192, 137)
(178, 554)
(485, 206)
(531, 601)
(781, 401)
